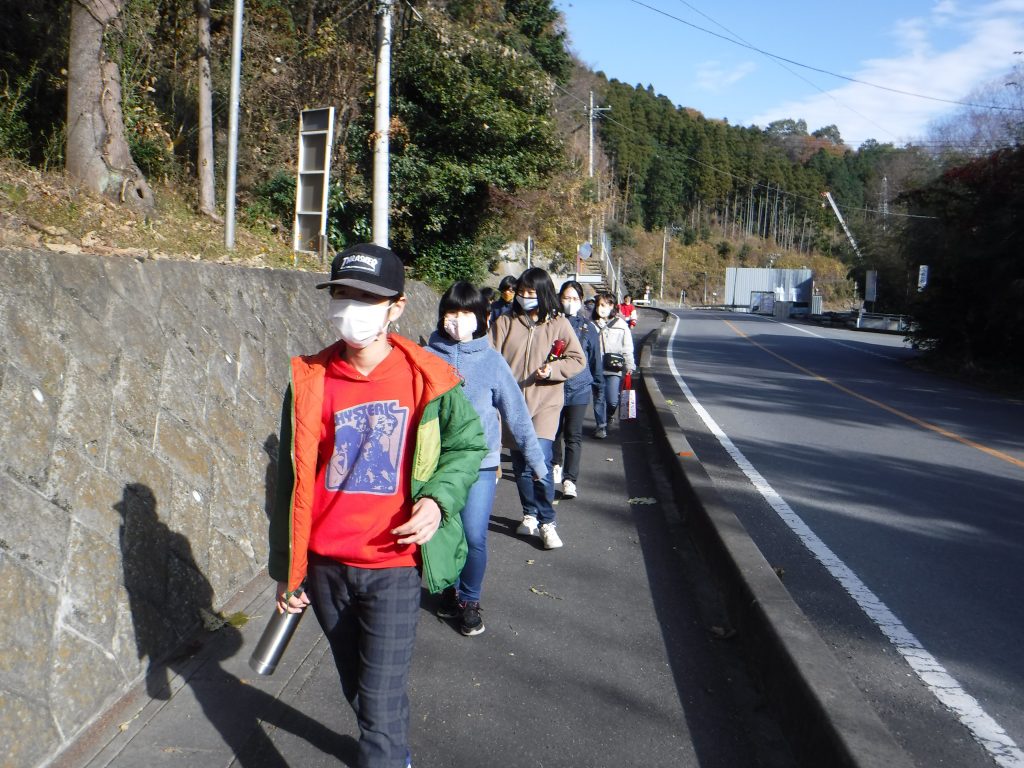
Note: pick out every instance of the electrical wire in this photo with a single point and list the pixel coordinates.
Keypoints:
(795, 74)
(749, 182)
(825, 71)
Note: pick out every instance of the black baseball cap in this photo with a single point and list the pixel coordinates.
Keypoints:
(368, 267)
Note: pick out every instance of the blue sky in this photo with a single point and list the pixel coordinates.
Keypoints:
(937, 48)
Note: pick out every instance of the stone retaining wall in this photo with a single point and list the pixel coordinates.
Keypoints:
(140, 404)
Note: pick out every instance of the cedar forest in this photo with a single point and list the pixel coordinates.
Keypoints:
(489, 145)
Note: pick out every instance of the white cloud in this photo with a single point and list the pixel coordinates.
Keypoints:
(712, 76)
(976, 46)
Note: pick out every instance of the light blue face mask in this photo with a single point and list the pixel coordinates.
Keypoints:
(528, 304)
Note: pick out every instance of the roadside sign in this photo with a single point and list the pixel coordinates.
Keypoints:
(922, 277)
(871, 285)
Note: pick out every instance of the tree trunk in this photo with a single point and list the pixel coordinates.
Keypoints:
(204, 161)
(97, 151)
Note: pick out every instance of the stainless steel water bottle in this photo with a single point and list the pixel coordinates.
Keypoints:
(275, 639)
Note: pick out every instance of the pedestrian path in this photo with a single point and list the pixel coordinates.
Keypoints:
(593, 655)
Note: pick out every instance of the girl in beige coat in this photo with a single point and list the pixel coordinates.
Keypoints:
(527, 337)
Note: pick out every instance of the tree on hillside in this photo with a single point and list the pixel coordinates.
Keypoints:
(204, 160)
(973, 131)
(539, 22)
(97, 151)
(972, 311)
(470, 125)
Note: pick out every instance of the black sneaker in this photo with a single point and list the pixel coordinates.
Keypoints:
(472, 622)
(450, 606)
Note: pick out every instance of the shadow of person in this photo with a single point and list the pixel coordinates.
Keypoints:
(171, 601)
(271, 446)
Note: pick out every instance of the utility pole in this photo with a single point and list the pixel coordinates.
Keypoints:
(381, 124)
(236, 78)
(664, 252)
(885, 203)
(591, 112)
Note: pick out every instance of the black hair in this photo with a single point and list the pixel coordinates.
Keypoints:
(463, 297)
(607, 296)
(538, 280)
(488, 293)
(575, 286)
(508, 283)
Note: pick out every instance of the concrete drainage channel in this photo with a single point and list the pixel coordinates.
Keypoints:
(823, 715)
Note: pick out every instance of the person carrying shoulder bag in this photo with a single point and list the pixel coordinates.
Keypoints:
(616, 359)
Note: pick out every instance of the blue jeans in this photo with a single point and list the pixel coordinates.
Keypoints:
(536, 494)
(606, 399)
(369, 617)
(475, 517)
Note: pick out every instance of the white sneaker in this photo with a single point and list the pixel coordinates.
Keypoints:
(528, 527)
(556, 473)
(568, 489)
(549, 536)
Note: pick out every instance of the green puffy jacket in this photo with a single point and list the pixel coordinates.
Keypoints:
(448, 450)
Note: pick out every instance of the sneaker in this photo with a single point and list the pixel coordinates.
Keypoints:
(556, 473)
(450, 606)
(528, 527)
(568, 489)
(472, 623)
(549, 536)
(601, 433)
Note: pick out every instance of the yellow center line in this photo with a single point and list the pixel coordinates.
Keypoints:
(894, 411)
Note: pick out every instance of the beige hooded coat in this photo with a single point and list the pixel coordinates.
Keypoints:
(525, 346)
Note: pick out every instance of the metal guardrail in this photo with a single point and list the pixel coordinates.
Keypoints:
(882, 322)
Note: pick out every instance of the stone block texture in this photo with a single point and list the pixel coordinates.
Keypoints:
(141, 401)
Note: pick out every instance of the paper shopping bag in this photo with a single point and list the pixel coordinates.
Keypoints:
(627, 399)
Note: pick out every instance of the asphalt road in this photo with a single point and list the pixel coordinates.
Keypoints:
(891, 501)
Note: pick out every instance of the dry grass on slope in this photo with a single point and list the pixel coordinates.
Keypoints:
(47, 210)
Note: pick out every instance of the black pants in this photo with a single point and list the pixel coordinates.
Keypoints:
(570, 430)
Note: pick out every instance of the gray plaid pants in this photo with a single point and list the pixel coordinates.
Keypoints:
(369, 617)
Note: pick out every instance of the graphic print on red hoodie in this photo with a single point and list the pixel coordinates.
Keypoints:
(362, 485)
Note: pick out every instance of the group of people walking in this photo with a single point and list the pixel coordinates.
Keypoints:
(390, 456)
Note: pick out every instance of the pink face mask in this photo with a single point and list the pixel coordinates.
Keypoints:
(460, 327)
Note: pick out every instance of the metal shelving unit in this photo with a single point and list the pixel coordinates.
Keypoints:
(316, 131)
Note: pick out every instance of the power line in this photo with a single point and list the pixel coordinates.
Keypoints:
(792, 72)
(749, 182)
(825, 71)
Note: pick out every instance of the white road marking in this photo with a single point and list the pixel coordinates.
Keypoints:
(834, 341)
(986, 731)
(802, 330)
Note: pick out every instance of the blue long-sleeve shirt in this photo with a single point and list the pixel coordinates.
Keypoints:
(577, 389)
(492, 390)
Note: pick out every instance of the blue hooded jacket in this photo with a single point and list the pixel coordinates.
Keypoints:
(578, 388)
(492, 390)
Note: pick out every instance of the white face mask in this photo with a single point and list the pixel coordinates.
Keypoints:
(358, 324)
(528, 304)
(604, 311)
(460, 327)
(571, 306)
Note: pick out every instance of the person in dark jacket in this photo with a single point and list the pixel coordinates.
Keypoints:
(506, 298)
(577, 391)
